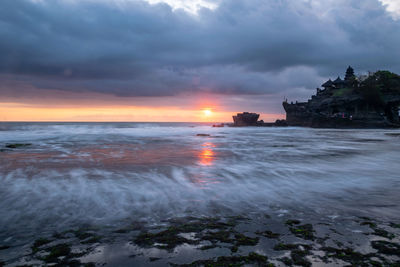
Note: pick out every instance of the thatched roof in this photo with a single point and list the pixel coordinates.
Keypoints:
(329, 83)
(338, 81)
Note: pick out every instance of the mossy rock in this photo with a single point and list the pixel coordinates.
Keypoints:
(17, 145)
(171, 238)
(370, 224)
(82, 233)
(348, 255)
(286, 261)
(395, 225)
(220, 236)
(378, 231)
(252, 258)
(38, 243)
(292, 222)
(269, 234)
(304, 231)
(243, 240)
(387, 248)
(383, 233)
(210, 247)
(299, 257)
(283, 246)
(57, 251)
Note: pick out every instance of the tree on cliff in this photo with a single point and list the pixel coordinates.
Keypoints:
(373, 88)
(384, 80)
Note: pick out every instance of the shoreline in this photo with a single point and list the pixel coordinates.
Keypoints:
(258, 240)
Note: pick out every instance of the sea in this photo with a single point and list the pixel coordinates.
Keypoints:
(108, 175)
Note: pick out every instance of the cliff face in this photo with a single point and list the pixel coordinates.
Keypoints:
(352, 103)
(245, 119)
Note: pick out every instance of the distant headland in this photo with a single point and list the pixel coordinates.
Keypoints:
(368, 101)
(365, 101)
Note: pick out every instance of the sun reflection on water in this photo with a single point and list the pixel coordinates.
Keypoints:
(206, 155)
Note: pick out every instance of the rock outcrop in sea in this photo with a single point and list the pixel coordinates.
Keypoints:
(369, 101)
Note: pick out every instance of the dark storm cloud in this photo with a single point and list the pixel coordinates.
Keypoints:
(132, 48)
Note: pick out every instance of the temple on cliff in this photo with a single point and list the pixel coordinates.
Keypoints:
(355, 102)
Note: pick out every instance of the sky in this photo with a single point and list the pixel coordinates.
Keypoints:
(176, 60)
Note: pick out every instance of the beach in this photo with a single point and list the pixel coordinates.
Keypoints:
(188, 194)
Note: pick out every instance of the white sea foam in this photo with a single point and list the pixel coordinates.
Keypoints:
(249, 170)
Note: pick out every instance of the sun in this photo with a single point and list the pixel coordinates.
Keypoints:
(207, 112)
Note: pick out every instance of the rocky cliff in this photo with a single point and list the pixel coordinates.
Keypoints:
(357, 102)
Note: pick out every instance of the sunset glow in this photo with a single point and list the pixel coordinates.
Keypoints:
(207, 112)
(27, 112)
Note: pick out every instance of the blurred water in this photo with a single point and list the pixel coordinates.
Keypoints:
(114, 173)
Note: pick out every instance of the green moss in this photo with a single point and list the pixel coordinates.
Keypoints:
(254, 257)
(57, 251)
(242, 240)
(383, 233)
(304, 231)
(299, 257)
(223, 261)
(221, 236)
(347, 255)
(38, 243)
(171, 238)
(287, 261)
(395, 225)
(387, 248)
(269, 234)
(298, 253)
(378, 231)
(370, 224)
(282, 246)
(209, 247)
(82, 233)
(292, 222)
